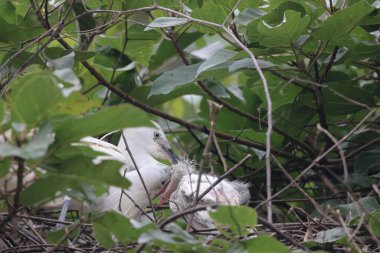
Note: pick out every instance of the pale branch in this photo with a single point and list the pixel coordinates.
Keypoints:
(220, 179)
(340, 149)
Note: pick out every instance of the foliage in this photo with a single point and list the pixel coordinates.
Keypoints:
(71, 69)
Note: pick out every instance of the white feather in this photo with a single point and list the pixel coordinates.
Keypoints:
(154, 177)
(224, 193)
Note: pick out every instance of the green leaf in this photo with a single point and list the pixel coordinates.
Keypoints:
(291, 27)
(214, 11)
(355, 209)
(342, 21)
(76, 104)
(136, 32)
(14, 34)
(74, 174)
(237, 218)
(112, 59)
(43, 190)
(85, 170)
(57, 52)
(140, 51)
(335, 102)
(166, 22)
(166, 50)
(54, 236)
(264, 244)
(374, 223)
(33, 98)
(174, 78)
(23, 59)
(103, 121)
(329, 235)
(35, 149)
(177, 241)
(247, 63)
(248, 15)
(112, 224)
(367, 160)
(219, 57)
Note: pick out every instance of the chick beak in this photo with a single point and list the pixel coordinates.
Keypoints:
(166, 191)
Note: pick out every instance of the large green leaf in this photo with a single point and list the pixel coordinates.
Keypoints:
(14, 34)
(342, 21)
(23, 59)
(338, 99)
(72, 175)
(58, 52)
(248, 15)
(103, 121)
(76, 104)
(112, 224)
(33, 98)
(247, 63)
(291, 27)
(43, 190)
(218, 58)
(167, 50)
(367, 160)
(237, 218)
(163, 22)
(215, 11)
(171, 79)
(140, 51)
(330, 235)
(355, 209)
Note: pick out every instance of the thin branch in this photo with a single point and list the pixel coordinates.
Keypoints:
(282, 235)
(228, 172)
(340, 149)
(138, 172)
(231, 12)
(214, 110)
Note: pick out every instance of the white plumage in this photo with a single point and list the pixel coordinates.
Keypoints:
(146, 145)
(154, 177)
(183, 186)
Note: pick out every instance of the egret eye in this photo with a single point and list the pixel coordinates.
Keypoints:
(156, 135)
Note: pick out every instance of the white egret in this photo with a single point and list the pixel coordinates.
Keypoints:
(181, 192)
(146, 144)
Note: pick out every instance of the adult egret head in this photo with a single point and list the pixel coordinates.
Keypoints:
(148, 140)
